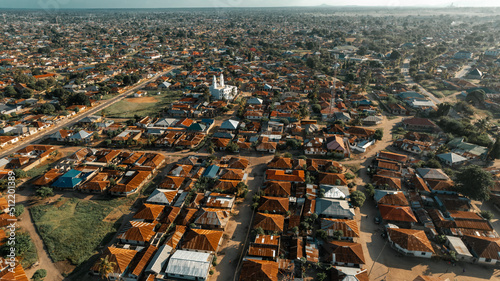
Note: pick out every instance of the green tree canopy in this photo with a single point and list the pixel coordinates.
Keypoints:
(357, 198)
(474, 182)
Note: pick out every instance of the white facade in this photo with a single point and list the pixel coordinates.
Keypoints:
(221, 91)
(417, 254)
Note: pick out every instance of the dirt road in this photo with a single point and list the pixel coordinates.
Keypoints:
(27, 224)
(405, 69)
(382, 261)
(240, 223)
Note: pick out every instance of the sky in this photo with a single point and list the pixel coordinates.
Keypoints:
(67, 4)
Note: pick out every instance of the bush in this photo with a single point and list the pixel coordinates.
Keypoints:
(39, 275)
(19, 210)
(20, 173)
(44, 192)
(487, 215)
(349, 176)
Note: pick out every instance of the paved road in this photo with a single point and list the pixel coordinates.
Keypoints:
(72, 120)
(405, 69)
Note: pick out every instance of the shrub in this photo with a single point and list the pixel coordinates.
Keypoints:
(39, 275)
(19, 210)
(349, 176)
(44, 192)
(20, 173)
(487, 215)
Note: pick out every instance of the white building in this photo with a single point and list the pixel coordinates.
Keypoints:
(221, 91)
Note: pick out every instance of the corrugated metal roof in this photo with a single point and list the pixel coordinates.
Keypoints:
(159, 260)
(189, 263)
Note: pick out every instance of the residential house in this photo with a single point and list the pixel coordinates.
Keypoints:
(202, 240)
(344, 253)
(120, 258)
(137, 233)
(70, 179)
(259, 270)
(189, 265)
(334, 208)
(485, 249)
(349, 228)
(269, 222)
(410, 242)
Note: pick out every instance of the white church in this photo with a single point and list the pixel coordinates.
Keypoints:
(221, 91)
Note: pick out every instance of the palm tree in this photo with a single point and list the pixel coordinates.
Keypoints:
(106, 267)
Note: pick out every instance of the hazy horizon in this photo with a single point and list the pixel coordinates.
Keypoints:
(148, 4)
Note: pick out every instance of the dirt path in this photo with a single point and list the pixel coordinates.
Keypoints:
(27, 224)
(239, 224)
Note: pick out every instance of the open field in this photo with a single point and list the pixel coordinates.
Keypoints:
(73, 229)
(144, 106)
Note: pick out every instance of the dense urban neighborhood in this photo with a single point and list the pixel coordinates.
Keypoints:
(317, 143)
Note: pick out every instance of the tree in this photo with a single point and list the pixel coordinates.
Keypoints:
(10, 91)
(369, 190)
(476, 97)
(321, 276)
(495, 150)
(44, 192)
(379, 133)
(316, 108)
(395, 55)
(474, 182)
(337, 234)
(20, 173)
(18, 210)
(357, 198)
(39, 275)
(433, 163)
(321, 233)
(46, 108)
(106, 267)
(487, 215)
(232, 147)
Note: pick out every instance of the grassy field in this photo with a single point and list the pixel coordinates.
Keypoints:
(436, 89)
(73, 229)
(147, 106)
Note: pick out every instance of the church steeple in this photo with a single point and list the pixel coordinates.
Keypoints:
(214, 82)
(221, 80)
